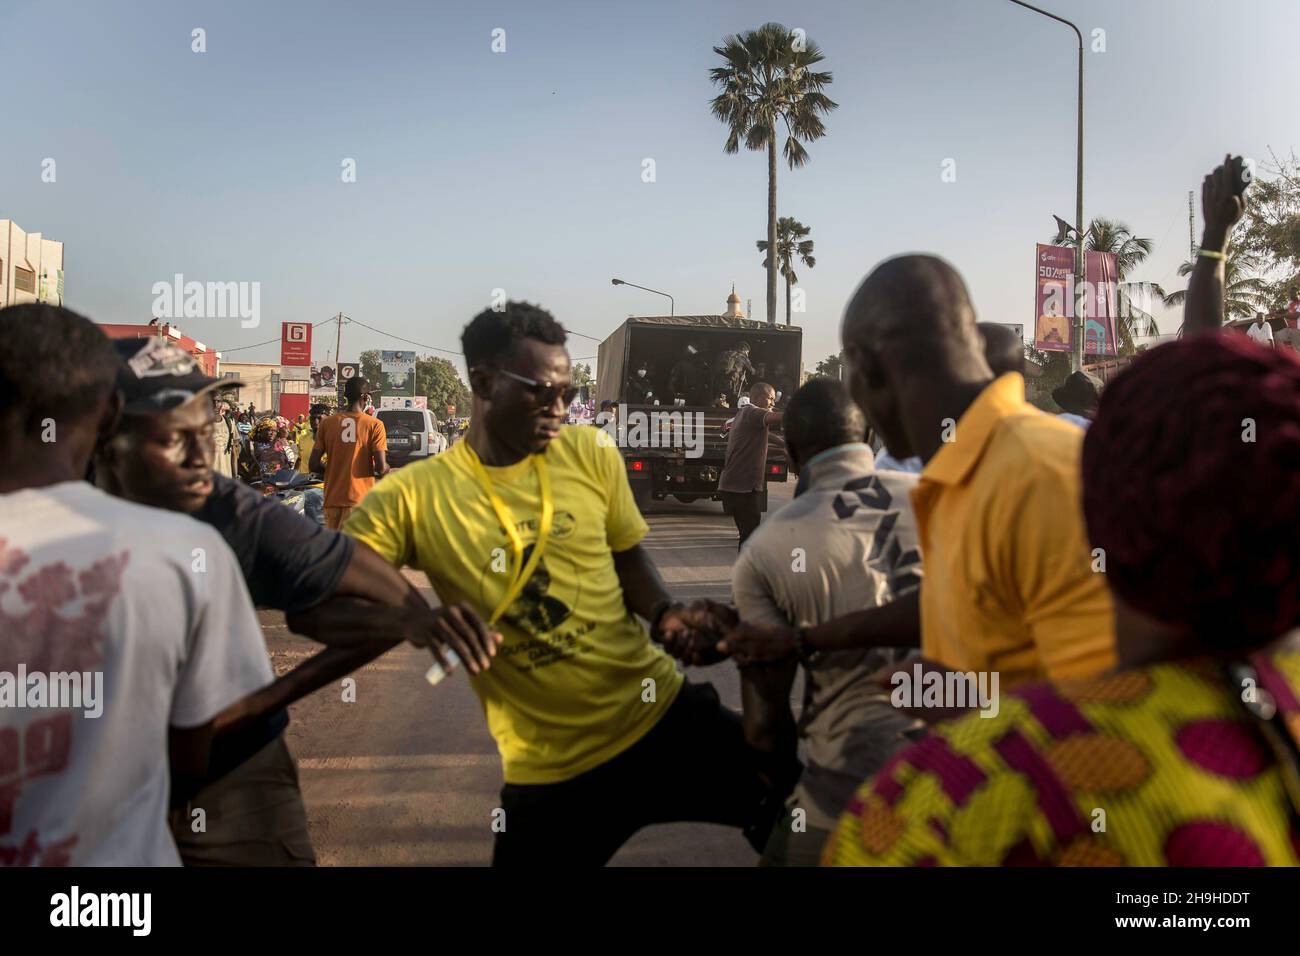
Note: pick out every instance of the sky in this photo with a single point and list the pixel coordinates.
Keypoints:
(523, 170)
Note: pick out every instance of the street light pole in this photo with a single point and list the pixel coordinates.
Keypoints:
(672, 306)
(1076, 349)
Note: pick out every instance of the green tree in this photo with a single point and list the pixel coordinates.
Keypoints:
(790, 244)
(1244, 293)
(582, 375)
(1271, 228)
(437, 379)
(767, 80)
(370, 368)
(831, 367)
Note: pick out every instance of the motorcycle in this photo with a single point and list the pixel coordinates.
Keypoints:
(302, 494)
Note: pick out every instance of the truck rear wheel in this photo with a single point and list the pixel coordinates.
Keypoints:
(642, 494)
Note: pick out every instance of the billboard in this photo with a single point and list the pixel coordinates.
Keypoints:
(397, 372)
(1053, 295)
(1100, 304)
(295, 343)
(402, 401)
(347, 370)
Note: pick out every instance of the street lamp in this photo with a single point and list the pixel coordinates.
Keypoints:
(1076, 351)
(672, 306)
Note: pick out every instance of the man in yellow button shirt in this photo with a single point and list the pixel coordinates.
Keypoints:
(598, 732)
(1011, 586)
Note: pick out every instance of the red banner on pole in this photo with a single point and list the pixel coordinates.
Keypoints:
(1053, 297)
(1100, 304)
(295, 343)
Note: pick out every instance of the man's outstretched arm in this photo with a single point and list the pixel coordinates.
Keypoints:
(1223, 203)
(896, 624)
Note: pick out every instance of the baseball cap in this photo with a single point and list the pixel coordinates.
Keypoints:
(157, 376)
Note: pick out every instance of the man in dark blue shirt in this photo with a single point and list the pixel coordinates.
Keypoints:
(332, 589)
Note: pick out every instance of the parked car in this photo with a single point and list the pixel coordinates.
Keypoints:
(412, 434)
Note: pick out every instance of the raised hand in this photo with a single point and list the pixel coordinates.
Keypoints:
(1223, 200)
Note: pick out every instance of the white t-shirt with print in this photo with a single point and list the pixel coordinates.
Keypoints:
(154, 601)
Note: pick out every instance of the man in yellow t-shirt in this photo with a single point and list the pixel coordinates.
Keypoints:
(1011, 587)
(598, 732)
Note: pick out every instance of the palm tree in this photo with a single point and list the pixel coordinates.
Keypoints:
(1243, 295)
(1111, 235)
(790, 242)
(767, 79)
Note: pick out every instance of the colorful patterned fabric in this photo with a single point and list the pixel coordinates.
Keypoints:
(1161, 766)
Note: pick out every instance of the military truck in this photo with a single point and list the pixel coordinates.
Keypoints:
(670, 430)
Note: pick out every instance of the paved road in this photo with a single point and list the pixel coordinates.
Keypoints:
(408, 774)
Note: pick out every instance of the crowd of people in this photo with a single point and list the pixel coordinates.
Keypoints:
(1113, 575)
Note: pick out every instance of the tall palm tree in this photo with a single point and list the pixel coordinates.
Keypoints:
(767, 80)
(790, 243)
(1111, 235)
(1243, 294)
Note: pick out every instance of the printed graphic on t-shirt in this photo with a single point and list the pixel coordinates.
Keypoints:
(545, 603)
(871, 492)
(57, 627)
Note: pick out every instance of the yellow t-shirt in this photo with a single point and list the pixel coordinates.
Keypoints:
(1011, 584)
(572, 684)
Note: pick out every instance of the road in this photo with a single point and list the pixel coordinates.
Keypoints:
(407, 774)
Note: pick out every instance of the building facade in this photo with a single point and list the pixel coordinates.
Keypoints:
(209, 359)
(31, 267)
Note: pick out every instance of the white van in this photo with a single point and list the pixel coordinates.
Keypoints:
(412, 434)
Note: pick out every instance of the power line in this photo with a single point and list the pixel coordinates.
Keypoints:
(240, 348)
(399, 338)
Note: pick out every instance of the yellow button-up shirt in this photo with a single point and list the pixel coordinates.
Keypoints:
(1010, 584)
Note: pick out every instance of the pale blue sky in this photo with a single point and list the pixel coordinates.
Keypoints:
(522, 170)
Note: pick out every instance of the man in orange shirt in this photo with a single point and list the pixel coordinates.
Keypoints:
(357, 446)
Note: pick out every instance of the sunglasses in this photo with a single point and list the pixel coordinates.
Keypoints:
(544, 394)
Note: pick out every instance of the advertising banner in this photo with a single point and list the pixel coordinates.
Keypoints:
(398, 372)
(401, 401)
(1053, 291)
(295, 343)
(1100, 304)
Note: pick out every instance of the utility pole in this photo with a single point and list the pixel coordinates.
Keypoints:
(1080, 227)
(1191, 226)
(338, 344)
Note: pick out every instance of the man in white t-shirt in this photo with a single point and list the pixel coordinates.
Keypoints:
(1260, 330)
(125, 631)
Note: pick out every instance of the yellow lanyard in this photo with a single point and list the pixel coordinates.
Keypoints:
(520, 577)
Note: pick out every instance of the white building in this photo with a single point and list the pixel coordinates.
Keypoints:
(261, 383)
(31, 267)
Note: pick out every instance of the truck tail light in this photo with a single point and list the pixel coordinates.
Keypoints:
(636, 464)
(774, 469)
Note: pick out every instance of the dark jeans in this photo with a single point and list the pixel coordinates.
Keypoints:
(694, 765)
(743, 508)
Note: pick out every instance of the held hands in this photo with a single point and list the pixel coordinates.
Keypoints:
(1223, 200)
(750, 643)
(691, 632)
